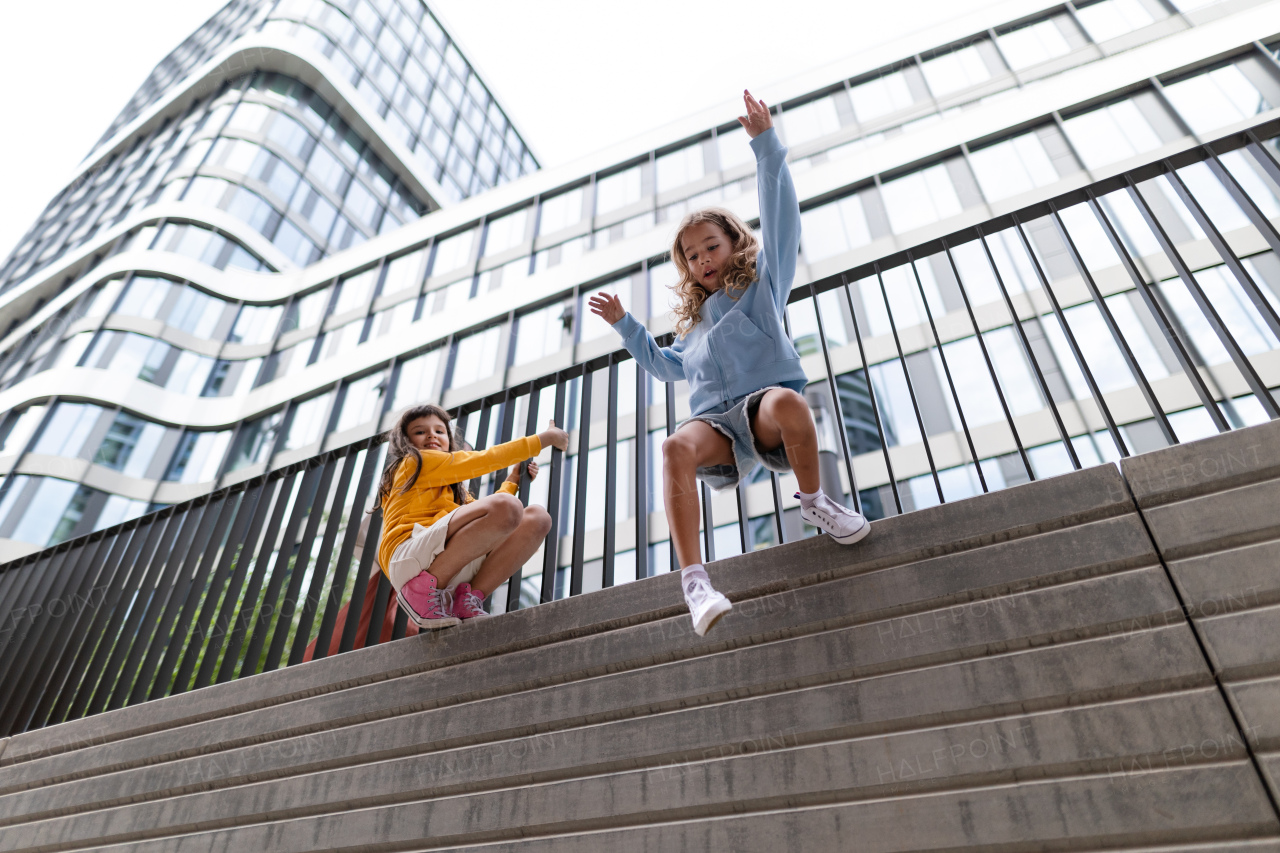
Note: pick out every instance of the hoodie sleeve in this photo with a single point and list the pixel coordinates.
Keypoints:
(779, 216)
(444, 469)
(665, 363)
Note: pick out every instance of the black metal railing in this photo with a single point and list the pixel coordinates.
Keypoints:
(258, 575)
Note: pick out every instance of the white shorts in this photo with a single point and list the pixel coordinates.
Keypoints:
(416, 554)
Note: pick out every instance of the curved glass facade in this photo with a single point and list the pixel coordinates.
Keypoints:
(465, 310)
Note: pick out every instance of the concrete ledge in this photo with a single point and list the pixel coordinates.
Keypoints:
(751, 770)
(1244, 645)
(1229, 581)
(1216, 802)
(1226, 519)
(965, 585)
(1042, 506)
(1232, 459)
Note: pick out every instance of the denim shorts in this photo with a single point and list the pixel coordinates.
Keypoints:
(735, 425)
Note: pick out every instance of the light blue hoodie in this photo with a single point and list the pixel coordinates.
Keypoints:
(739, 346)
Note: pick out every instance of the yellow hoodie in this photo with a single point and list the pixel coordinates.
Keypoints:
(430, 498)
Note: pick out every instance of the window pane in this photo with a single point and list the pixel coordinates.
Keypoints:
(954, 71)
(308, 421)
(539, 333)
(417, 380)
(1112, 18)
(618, 190)
(560, 211)
(362, 402)
(476, 357)
(920, 198)
(198, 456)
(453, 253)
(506, 232)
(1034, 44)
(880, 96)
(1012, 167)
(1111, 133)
(833, 228)
(67, 429)
(1209, 101)
(255, 324)
(811, 120)
(680, 167)
(355, 291)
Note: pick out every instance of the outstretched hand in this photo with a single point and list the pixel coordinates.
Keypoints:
(530, 466)
(607, 306)
(757, 120)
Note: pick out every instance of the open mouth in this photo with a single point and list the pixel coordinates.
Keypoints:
(709, 274)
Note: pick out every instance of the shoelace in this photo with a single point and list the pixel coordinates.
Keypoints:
(472, 601)
(440, 605)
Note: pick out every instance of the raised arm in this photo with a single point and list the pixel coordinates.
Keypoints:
(779, 209)
(665, 363)
(444, 469)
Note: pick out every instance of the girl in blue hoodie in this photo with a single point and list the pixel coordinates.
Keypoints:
(744, 374)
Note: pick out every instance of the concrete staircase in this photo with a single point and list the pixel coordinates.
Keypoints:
(1013, 672)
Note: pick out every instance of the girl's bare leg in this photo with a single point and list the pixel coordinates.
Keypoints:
(476, 529)
(693, 446)
(514, 551)
(783, 419)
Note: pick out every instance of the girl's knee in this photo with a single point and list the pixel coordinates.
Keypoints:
(506, 510)
(538, 519)
(786, 405)
(678, 449)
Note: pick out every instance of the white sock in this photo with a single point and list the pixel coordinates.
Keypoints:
(807, 500)
(696, 570)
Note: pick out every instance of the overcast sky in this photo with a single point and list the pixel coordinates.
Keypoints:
(575, 75)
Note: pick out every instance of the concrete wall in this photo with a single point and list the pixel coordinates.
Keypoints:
(1016, 671)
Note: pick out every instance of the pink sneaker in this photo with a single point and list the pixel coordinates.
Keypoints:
(425, 604)
(468, 602)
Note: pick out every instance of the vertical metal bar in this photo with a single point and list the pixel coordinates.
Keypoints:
(1157, 313)
(530, 427)
(373, 636)
(245, 613)
(314, 498)
(1245, 201)
(986, 357)
(191, 589)
(911, 391)
(16, 658)
(482, 443)
(358, 592)
(343, 565)
(57, 634)
(171, 593)
(708, 525)
(27, 595)
(580, 492)
(671, 430)
(80, 633)
(1166, 429)
(30, 654)
(1103, 409)
(122, 597)
(871, 395)
(835, 400)
(946, 369)
(1251, 378)
(1228, 256)
(135, 634)
(1031, 356)
(641, 483)
(202, 642)
(321, 571)
(740, 494)
(551, 550)
(610, 476)
(777, 508)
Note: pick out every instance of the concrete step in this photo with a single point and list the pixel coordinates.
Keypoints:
(1016, 671)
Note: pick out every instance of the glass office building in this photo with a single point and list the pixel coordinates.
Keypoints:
(263, 261)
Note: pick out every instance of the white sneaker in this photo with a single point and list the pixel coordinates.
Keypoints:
(841, 523)
(705, 604)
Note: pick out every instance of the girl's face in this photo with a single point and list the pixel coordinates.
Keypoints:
(428, 433)
(706, 250)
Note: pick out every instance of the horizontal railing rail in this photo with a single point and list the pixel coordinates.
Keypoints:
(281, 568)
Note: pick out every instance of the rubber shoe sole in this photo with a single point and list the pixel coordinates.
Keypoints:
(427, 624)
(711, 616)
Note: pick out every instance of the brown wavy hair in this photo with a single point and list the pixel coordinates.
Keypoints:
(736, 276)
(399, 447)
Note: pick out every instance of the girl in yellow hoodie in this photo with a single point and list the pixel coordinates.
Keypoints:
(436, 536)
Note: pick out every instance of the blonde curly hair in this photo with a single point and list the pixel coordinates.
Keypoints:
(736, 276)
